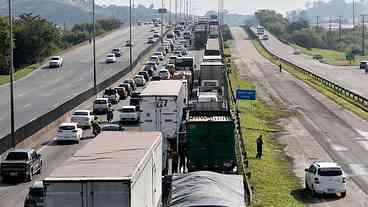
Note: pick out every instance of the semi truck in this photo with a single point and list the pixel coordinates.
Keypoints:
(116, 169)
(162, 109)
(210, 141)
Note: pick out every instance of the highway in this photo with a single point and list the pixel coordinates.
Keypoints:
(349, 77)
(325, 131)
(45, 89)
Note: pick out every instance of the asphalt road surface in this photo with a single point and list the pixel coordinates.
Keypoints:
(349, 77)
(342, 136)
(46, 89)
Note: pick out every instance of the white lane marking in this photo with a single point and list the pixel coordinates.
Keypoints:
(357, 170)
(339, 148)
(27, 105)
(364, 144)
(363, 133)
(20, 94)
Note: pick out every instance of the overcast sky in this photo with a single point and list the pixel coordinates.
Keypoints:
(234, 6)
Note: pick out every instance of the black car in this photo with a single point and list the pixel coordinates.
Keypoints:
(128, 88)
(131, 82)
(35, 197)
(145, 75)
(156, 78)
(149, 69)
(135, 100)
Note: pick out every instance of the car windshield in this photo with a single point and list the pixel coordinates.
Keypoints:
(66, 128)
(100, 102)
(55, 58)
(36, 192)
(110, 56)
(110, 92)
(17, 156)
(116, 50)
(127, 110)
(330, 172)
(111, 128)
(80, 113)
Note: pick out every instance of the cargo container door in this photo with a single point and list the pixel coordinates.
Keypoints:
(111, 194)
(71, 194)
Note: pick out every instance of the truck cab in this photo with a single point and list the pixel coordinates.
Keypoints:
(21, 163)
(35, 196)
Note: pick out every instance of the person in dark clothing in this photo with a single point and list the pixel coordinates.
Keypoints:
(96, 129)
(280, 67)
(259, 143)
(110, 115)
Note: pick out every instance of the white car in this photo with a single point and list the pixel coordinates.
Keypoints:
(112, 94)
(164, 74)
(155, 58)
(325, 178)
(160, 55)
(83, 118)
(56, 61)
(101, 105)
(69, 132)
(110, 58)
(129, 114)
(139, 80)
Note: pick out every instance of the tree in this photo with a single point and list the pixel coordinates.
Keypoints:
(4, 44)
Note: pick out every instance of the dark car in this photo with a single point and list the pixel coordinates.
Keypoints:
(131, 82)
(122, 92)
(21, 163)
(135, 100)
(156, 78)
(149, 69)
(145, 75)
(35, 196)
(112, 127)
(127, 87)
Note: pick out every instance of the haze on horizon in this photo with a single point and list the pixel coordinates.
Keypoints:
(233, 6)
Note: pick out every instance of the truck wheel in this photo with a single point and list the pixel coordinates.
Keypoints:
(306, 186)
(343, 194)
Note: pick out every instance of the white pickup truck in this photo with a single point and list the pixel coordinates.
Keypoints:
(83, 118)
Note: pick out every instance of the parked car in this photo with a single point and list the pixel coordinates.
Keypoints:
(117, 52)
(325, 178)
(129, 114)
(83, 118)
(149, 69)
(131, 82)
(156, 78)
(56, 61)
(110, 58)
(21, 163)
(363, 64)
(127, 87)
(155, 58)
(122, 92)
(112, 94)
(35, 196)
(140, 80)
(153, 64)
(111, 127)
(69, 132)
(164, 74)
(145, 75)
(160, 55)
(101, 106)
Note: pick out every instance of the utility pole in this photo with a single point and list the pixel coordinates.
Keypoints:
(176, 12)
(162, 27)
(94, 48)
(353, 14)
(363, 34)
(130, 37)
(11, 71)
(340, 29)
(329, 24)
(169, 12)
(317, 22)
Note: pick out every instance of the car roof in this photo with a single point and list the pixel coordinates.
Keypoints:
(22, 150)
(164, 70)
(102, 99)
(68, 124)
(139, 76)
(128, 107)
(321, 164)
(82, 111)
(37, 184)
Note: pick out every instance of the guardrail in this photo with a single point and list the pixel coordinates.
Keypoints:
(34, 126)
(240, 144)
(356, 99)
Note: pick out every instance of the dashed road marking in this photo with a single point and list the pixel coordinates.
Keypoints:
(339, 148)
(27, 105)
(364, 144)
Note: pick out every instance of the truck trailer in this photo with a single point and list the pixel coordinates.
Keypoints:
(116, 169)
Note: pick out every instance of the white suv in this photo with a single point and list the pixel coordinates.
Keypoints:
(129, 114)
(69, 132)
(325, 177)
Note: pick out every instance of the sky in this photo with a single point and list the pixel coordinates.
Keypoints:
(200, 7)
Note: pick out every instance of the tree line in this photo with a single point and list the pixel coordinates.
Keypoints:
(36, 38)
(300, 32)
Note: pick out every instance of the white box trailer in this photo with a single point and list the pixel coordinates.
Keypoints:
(210, 71)
(162, 107)
(116, 169)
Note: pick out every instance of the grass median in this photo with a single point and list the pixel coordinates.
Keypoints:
(339, 99)
(272, 177)
(19, 74)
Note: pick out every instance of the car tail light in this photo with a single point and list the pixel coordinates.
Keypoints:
(343, 180)
(316, 180)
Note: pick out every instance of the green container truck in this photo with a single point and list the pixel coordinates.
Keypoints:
(210, 141)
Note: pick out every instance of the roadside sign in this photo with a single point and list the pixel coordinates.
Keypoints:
(246, 94)
(162, 11)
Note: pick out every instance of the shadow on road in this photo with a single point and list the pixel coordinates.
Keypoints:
(306, 197)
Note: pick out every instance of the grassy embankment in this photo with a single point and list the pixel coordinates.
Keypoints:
(331, 57)
(271, 177)
(330, 93)
(19, 74)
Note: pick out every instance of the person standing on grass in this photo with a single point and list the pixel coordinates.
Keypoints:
(259, 143)
(280, 67)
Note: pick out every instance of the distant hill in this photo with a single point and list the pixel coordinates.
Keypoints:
(332, 8)
(232, 19)
(73, 12)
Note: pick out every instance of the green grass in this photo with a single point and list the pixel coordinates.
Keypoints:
(341, 100)
(331, 57)
(272, 177)
(19, 74)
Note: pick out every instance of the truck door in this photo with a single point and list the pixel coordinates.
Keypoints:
(112, 194)
(65, 194)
